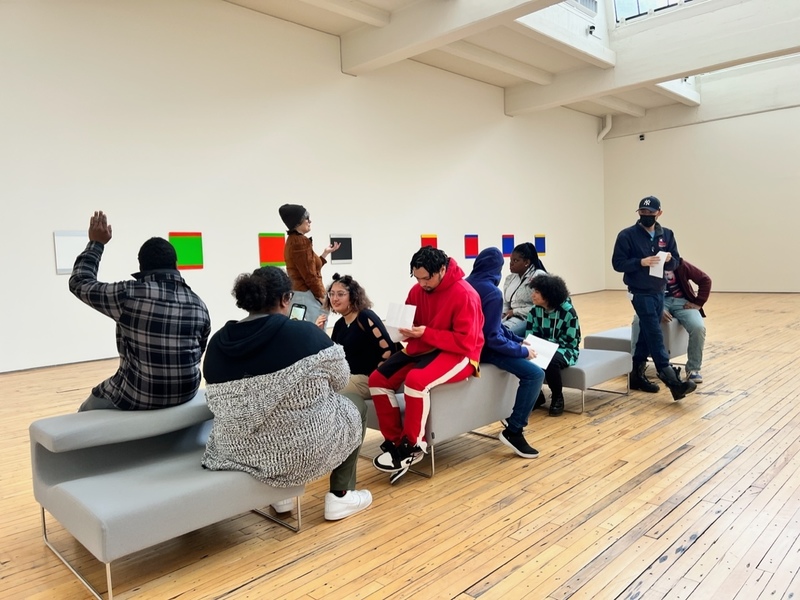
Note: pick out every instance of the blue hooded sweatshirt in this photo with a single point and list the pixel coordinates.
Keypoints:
(484, 278)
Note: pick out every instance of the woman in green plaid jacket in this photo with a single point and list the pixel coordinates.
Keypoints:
(553, 318)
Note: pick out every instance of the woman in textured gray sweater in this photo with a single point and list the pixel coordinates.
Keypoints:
(270, 384)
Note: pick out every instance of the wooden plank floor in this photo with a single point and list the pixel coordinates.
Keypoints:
(639, 497)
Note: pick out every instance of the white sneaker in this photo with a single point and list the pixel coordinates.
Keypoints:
(352, 502)
(283, 506)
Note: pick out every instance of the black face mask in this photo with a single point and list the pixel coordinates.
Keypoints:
(647, 220)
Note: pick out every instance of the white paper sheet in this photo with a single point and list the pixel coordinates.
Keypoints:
(545, 350)
(399, 316)
(658, 270)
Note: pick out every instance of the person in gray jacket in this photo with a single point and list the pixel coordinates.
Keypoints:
(271, 385)
(524, 265)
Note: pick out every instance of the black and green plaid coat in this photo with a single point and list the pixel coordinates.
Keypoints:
(560, 326)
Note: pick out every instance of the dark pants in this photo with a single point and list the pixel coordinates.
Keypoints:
(530, 384)
(343, 477)
(649, 308)
(552, 374)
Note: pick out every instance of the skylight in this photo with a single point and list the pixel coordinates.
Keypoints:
(630, 9)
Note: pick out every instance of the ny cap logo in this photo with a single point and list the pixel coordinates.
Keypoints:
(646, 202)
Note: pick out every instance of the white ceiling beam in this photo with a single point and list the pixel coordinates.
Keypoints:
(354, 9)
(488, 58)
(622, 106)
(732, 93)
(679, 90)
(738, 31)
(427, 25)
(543, 27)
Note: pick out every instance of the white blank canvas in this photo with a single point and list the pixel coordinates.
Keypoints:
(68, 244)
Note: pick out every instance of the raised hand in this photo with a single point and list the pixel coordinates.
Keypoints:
(99, 228)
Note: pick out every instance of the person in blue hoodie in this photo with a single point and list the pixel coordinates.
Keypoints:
(505, 350)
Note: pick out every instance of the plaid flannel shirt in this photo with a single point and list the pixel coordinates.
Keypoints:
(560, 326)
(162, 330)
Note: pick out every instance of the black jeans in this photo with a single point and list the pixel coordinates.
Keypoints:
(649, 308)
(552, 374)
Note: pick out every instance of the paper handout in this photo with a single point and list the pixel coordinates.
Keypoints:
(544, 350)
(658, 270)
(399, 316)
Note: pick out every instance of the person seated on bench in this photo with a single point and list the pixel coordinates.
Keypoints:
(270, 384)
(359, 331)
(504, 349)
(553, 318)
(444, 346)
(682, 302)
(162, 325)
(524, 264)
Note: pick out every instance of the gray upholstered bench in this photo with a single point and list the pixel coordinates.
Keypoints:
(594, 367)
(122, 481)
(460, 407)
(617, 339)
(676, 339)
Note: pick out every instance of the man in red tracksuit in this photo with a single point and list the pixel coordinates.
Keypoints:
(443, 346)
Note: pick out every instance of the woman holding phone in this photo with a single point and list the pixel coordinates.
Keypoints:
(359, 331)
(302, 265)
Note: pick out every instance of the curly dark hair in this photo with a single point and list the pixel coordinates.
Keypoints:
(552, 288)
(358, 296)
(528, 251)
(429, 258)
(261, 290)
(157, 253)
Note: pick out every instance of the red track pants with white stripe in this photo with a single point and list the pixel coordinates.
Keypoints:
(419, 380)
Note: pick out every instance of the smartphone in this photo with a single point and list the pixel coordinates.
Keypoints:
(298, 312)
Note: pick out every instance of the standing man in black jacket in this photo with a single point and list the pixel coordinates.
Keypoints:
(637, 250)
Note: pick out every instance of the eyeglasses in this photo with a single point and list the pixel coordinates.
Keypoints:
(338, 294)
(290, 295)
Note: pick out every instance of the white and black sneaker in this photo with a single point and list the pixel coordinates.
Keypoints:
(517, 442)
(398, 459)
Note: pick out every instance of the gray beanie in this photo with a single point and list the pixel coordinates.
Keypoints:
(292, 215)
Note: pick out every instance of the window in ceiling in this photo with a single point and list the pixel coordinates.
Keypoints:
(630, 9)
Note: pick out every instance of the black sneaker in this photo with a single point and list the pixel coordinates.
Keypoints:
(556, 406)
(516, 441)
(540, 401)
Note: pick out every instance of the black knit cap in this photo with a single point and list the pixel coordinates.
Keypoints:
(292, 215)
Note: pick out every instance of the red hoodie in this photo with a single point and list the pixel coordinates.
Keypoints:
(451, 314)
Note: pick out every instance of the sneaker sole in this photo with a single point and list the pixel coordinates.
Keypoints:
(502, 438)
(395, 476)
(383, 469)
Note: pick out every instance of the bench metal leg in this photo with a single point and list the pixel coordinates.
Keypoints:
(281, 522)
(80, 577)
(583, 395)
(431, 453)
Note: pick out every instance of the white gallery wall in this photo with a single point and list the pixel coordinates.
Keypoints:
(198, 115)
(729, 190)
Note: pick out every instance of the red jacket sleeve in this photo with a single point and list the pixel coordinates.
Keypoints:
(702, 280)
